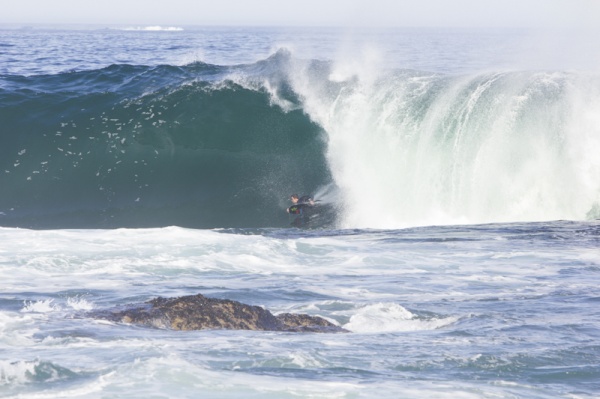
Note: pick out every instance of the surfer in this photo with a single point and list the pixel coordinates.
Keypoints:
(301, 208)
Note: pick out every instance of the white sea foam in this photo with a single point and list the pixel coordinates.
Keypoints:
(369, 282)
(391, 317)
(89, 390)
(173, 376)
(412, 148)
(79, 303)
(17, 329)
(18, 372)
(41, 306)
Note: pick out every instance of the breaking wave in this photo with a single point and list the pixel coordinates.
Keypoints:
(211, 146)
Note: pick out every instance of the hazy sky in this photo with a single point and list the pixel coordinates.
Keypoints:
(501, 13)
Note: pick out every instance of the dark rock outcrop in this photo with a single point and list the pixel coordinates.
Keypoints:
(197, 312)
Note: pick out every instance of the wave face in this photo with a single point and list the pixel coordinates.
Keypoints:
(211, 146)
(134, 146)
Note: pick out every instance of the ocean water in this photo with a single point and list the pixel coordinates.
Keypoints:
(457, 235)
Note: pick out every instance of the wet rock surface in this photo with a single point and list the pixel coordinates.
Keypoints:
(197, 312)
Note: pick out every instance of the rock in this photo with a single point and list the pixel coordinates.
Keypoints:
(306, 323)
(197, 312)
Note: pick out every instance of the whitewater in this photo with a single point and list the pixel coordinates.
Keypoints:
(457, 239)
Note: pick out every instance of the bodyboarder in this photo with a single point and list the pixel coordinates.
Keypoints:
(301, 208)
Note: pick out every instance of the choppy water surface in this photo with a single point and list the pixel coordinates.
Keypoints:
(505, 310)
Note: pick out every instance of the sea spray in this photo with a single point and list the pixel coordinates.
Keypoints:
(415, 148)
